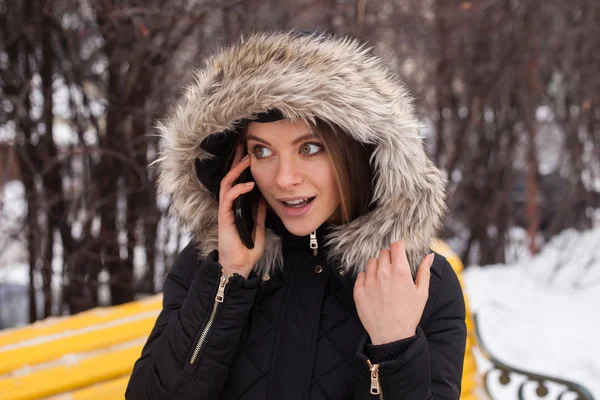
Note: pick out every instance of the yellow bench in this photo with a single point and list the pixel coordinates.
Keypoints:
(90, 355)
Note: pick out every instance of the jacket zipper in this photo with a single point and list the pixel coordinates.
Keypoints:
(224, 280)
(375, 382)
(313, 243)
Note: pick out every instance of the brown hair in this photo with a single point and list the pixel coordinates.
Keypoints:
(352, 169)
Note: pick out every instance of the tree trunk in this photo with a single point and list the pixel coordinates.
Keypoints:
(50, 179)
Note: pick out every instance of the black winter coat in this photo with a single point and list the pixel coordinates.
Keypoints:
(295, 336)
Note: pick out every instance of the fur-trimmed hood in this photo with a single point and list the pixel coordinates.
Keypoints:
(309, 77)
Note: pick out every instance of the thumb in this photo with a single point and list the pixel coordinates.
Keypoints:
(424, 273)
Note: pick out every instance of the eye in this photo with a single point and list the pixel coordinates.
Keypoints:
(309, 149)
(261, 151)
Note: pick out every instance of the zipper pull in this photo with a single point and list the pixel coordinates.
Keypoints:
(375, 389)
(221, 292)
(313, 242)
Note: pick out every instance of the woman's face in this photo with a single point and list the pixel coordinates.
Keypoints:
(293, 173)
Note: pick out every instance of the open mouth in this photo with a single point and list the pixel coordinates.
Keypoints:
(297, 207)
(298, 203)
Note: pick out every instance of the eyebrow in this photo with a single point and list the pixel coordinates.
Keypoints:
(302, 138)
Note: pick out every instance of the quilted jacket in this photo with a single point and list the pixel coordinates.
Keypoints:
(291, 330)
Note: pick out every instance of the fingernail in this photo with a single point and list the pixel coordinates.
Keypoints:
(245, 157)
(431, 258)
(249, 184)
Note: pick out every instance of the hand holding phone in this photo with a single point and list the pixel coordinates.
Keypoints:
(236, 234)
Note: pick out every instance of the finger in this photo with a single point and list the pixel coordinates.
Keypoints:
(385, 258)
(258, 233)
(226, 206)
(232, 175)
(424, 274)
(359, 286)
(360, 280)
(384, 263)
(399, 260)
(371, 269)
(238, 155)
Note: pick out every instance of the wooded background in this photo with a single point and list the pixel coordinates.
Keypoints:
(509, 91)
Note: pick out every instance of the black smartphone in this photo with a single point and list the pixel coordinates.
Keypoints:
(243, 210)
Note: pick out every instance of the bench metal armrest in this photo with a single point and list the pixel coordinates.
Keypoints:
(507, 371)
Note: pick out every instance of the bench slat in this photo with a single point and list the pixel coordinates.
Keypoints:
(113, 389)
(65, 378)
(53, 326)
(98, 337)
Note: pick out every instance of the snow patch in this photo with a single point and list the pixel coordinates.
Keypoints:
(537, 314)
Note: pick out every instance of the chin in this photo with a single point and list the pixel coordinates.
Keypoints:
(299, 227)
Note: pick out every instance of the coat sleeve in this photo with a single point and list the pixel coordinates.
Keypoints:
(430, 364)
(164, 370)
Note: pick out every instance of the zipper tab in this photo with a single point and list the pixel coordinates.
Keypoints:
(375, 385)
(313, 243)
(221, 292)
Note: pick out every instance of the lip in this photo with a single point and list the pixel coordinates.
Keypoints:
(296, 212)
(294, 198)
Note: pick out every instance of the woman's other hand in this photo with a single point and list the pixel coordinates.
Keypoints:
(234, 256)
(389, 303)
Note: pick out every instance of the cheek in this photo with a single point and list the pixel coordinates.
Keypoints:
(333, 190)
(261, 177)
(326, 181)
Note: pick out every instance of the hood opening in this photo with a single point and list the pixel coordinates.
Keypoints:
(351, 160)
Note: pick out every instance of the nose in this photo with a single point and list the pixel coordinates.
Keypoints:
(288, 175)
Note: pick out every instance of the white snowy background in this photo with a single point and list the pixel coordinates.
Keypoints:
(541, 313)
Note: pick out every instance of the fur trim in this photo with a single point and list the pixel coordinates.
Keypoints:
(308, 77)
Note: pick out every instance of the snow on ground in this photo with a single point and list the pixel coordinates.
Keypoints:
(541, 314)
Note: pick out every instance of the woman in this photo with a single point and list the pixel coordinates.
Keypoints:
(338, 298)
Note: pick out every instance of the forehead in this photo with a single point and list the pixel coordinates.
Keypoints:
(282, 130)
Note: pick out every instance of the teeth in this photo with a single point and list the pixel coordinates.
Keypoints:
(296, 202)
